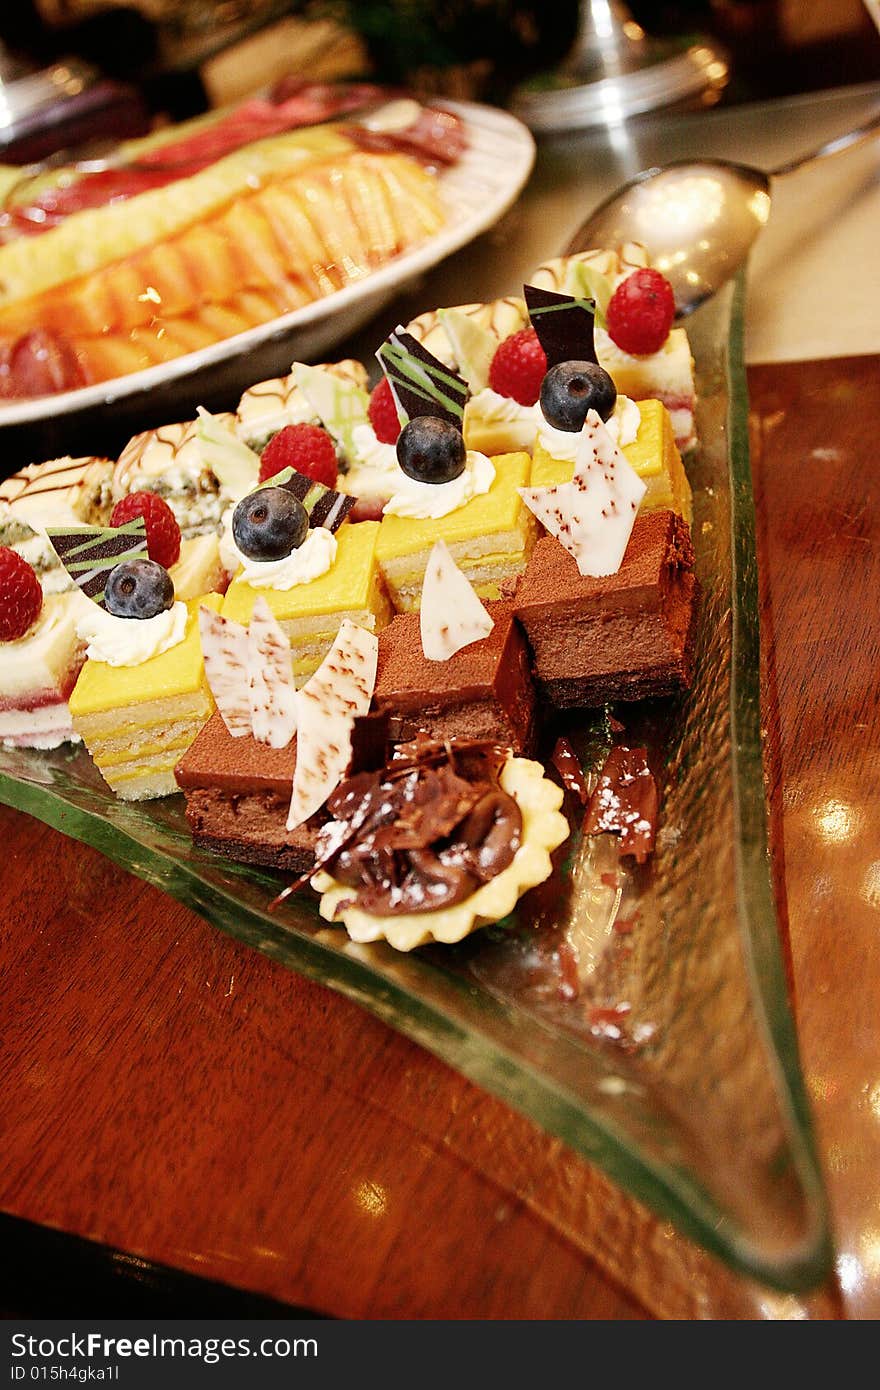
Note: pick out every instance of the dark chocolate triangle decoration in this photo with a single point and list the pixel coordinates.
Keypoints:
(564, 325)
(324, 505)
(89, 553)
(420, 383)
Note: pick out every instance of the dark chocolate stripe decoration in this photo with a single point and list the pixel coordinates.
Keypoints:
(420, 383)
(89, 553)
(325, 506)
(564, 325)
(331, 510)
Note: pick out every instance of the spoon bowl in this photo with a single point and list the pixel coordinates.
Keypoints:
(697, 219)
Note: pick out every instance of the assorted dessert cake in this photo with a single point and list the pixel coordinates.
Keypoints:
(40, 657)
(340, 620)
(624, 636)
(483, 691)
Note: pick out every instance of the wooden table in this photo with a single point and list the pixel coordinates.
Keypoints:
(172, 1094)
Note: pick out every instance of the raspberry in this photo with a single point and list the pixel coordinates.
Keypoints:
(641, 312)
(518, 367)
(163, 532)
(383, 413)
(21, 597)
(307, 448)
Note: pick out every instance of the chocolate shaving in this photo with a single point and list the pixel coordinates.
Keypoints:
(424, 831)
(325, 506)
(564, 325)
(89, 553)
(625, 802)
(420, 383)
(370, 738)
(571, 774)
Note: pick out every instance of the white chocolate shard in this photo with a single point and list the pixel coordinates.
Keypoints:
(225, 651)
(593, 515)
(326, 707)
(451, 615)
(271, 684)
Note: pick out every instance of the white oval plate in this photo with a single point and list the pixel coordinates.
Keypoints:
(477, 191)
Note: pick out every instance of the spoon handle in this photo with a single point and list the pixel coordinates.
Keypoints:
(840, 142)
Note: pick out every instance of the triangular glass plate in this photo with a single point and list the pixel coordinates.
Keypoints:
(641, 1016)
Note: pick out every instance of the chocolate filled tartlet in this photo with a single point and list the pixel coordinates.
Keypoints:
(443, 839)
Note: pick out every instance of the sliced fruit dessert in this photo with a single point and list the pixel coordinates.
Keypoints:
(160, 258)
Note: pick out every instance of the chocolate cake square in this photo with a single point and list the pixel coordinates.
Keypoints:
(237, 799)
(623, 637)
(485, 691)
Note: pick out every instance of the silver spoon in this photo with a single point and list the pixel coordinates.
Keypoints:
(697, 218)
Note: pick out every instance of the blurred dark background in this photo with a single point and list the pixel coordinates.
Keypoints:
(169, 59)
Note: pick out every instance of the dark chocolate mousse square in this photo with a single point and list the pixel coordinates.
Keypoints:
(485, 691)
(237, 799)
(623, 637)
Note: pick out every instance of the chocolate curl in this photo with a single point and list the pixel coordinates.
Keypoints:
(325, 506)
(625, 802)
(420, 383)
(564, 325)
(89, 553)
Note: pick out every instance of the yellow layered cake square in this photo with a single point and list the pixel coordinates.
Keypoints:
(653, 454)
(490, 538)
(137, 721)
(311, 614)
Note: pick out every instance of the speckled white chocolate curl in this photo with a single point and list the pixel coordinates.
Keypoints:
(451, 615)
(271, 683)
(225, 653)
(328, 704)
(593, 515)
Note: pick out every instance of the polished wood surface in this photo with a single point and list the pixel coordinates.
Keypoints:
(171, 1093)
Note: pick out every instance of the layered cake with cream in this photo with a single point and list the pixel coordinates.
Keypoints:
(651, 451)
(40, 657)
(138, 707)
(647, 357)
(320, 578)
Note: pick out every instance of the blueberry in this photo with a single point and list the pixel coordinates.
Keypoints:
(431, 450)
(138, 589)
(569, 390)
(269, 523)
